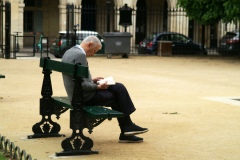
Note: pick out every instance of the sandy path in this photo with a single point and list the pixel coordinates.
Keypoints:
(186, 102)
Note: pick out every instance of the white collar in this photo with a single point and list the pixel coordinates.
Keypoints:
(81, 48)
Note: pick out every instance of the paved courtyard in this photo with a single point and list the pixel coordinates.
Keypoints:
(190, 105)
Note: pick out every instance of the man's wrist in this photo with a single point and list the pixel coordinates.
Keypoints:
(96, 86)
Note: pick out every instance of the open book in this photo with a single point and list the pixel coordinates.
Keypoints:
(109, 81)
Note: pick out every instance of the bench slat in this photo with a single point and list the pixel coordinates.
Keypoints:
(92, 111)
(101, 112)
(64, 67)
(62, 101)
(2, 76)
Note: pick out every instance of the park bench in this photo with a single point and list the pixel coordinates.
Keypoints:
(2, 76)
(81, 116)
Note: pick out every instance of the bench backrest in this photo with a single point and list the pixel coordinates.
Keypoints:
(66, 68)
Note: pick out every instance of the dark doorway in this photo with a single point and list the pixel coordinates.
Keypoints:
(165, 16)
(88, 20)
(141, 21)
(191, 29)
(213, 36)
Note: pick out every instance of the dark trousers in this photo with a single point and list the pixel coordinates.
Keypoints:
(116, 97)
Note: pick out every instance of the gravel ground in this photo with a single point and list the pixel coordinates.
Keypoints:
(190, 105)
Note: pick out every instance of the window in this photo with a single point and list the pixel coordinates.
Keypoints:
(179, 38)
(33, 3)
(164, 37)
(29, 3)
(28, 21)
(32, 16)
(88, 15)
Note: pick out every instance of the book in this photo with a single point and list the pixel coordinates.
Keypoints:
(109, 81)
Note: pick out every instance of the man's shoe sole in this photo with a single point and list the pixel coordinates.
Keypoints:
(134, 132)
(129, 141)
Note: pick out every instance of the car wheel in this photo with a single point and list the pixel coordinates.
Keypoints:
(203, 53)
(125, 55)
(238, 54)
(56, 56)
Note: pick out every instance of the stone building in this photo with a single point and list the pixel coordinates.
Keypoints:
(50, 17)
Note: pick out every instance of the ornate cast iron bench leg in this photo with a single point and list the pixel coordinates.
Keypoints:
(46, 127)
(77, 144)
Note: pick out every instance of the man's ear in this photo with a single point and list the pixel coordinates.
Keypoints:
(90, 44)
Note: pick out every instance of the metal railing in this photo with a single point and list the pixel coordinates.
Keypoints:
(146, 21)
(12, 151)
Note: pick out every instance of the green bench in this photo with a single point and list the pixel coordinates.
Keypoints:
(2, 76)
(91, 111)
(81, 116)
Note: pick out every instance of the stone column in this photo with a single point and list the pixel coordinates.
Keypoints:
(62, 17)
(20, 21)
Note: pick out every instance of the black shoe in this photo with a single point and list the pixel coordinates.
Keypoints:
(129, 139)
(134, 129)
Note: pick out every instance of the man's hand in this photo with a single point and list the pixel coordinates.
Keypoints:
(102, 86)
(97, 79)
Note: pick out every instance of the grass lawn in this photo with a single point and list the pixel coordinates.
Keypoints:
(2, 157)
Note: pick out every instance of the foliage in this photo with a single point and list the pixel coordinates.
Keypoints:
(232, 11)
(2, 157)
(211, 11)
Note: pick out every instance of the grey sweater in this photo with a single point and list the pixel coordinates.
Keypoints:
(75, 55)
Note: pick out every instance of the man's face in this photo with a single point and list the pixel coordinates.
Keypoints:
(92, 49)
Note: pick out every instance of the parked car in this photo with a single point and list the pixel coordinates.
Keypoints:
(180, 44)
(60, 44)
(229, 43)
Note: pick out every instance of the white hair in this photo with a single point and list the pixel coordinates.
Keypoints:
(92, 39)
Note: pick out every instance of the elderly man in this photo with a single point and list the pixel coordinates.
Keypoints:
(115, 96)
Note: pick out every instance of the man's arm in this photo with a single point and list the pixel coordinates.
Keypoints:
(90, 84)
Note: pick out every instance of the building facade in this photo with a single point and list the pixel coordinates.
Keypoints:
(148, 16)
